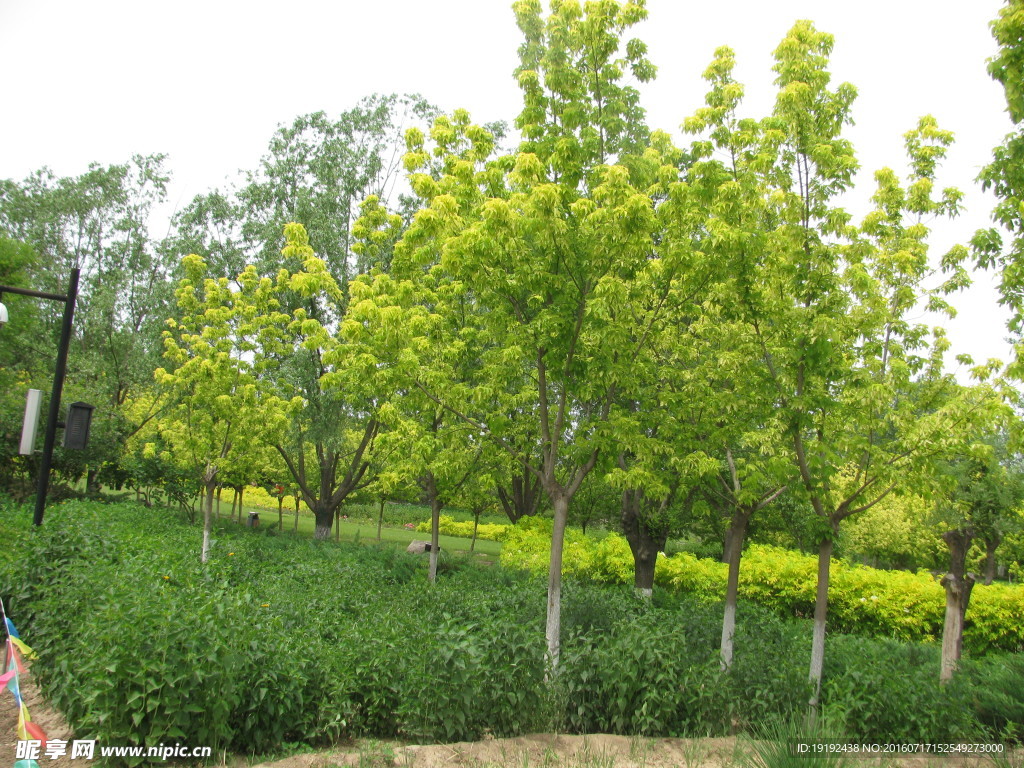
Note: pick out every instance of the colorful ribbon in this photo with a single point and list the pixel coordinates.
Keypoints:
(16, 648)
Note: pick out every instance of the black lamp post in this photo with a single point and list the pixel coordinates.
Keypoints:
(50, 437)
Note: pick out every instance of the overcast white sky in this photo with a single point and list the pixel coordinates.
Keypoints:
(208, 81)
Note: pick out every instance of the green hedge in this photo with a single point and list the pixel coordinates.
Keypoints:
(864, 601)
(449, 526)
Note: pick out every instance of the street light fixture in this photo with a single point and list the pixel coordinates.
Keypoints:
(50, 436)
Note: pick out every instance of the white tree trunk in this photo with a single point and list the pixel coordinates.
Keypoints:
(734, 551)
(207, 522)
(553, 631)
(820, 614)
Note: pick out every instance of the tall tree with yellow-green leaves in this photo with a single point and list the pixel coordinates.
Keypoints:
(859, 387)
(546, 255)
(322, 411)
(1004, 176)
(210, 386)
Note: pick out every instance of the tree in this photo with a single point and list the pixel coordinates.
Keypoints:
(547, 246)
(211, 389)
(317, 172)
(1003, 175)
(322, 409)
(99, 223)
(858, 387)
(982, 492)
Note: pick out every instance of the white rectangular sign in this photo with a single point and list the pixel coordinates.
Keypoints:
(28, 427)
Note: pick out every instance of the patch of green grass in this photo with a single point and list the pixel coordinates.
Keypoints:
(364, 533)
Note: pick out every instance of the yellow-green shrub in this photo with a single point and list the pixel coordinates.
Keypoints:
(449, 526)
(862, 600)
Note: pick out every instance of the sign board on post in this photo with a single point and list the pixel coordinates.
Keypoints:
(76, 426)
(28, 426)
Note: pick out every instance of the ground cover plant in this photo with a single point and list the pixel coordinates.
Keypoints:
(278, 640)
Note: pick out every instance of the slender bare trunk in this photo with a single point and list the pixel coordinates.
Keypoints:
(380, 518)
(820, 614)
(990, 560)
(553, 629)
(207, 522)
(435, 530)
(280, 513)
(734, 548)
(295, 528)
(476, 524)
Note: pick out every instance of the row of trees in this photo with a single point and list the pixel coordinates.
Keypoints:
(690, 326)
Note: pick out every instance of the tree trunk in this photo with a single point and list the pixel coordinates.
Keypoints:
(295, 528)
(553, 628)
(430, 486)
(958, 586)
(991, 545)
(643, 542)
(380, 519)
(322, 527)
(734, 549)
(476, 524)
(207, 520)
(241, 498)
(820, 614)
(524, 498)
(280, 513)
(92, 487)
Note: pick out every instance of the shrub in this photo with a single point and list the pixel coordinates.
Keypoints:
(277, 640)
(865, 601)
(449, 526)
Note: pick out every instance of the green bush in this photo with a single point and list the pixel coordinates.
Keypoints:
(449, 526)
(997, 695)
(864, 601)
(277, 641)
(895, 697)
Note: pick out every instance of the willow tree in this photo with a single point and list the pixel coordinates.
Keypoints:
(541, 254)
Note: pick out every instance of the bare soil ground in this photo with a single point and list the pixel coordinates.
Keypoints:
(543, 750)
(547, 750)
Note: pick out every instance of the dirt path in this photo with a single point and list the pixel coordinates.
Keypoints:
(52, 723)
(534, 751)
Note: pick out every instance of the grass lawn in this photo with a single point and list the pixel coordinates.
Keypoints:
(362, 530)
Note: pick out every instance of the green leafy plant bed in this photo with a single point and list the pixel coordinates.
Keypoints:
(862, 600)
(278, 640)
(449, 526)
